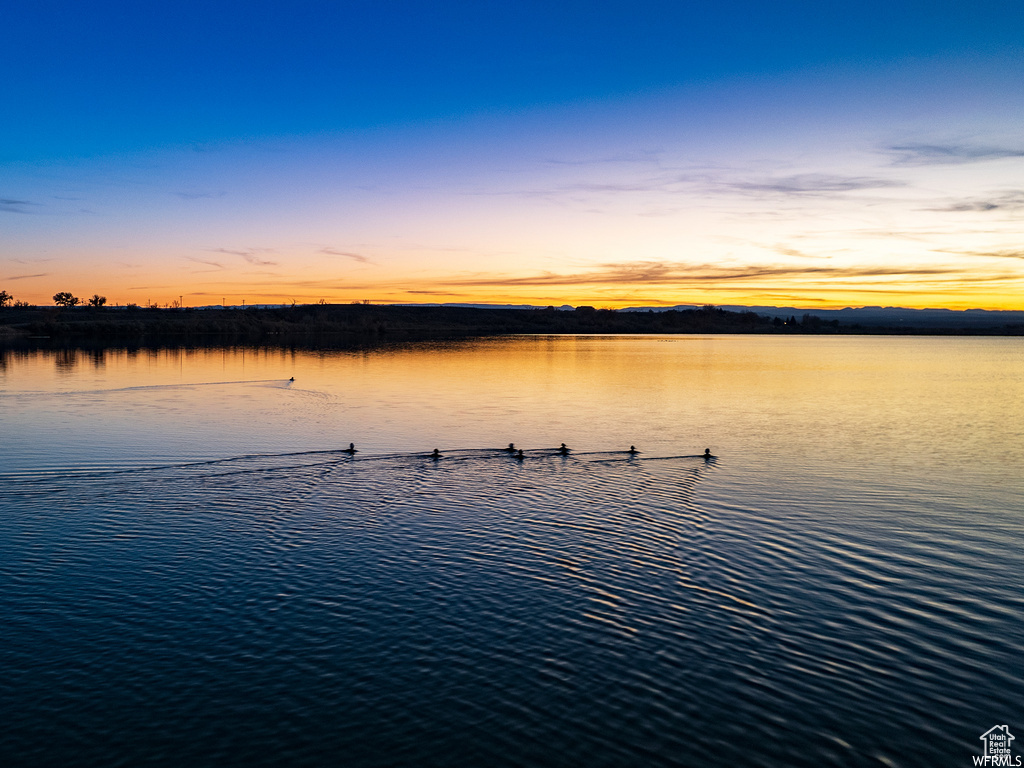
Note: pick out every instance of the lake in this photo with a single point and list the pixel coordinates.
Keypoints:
(193, 573)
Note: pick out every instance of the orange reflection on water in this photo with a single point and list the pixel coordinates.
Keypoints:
(862, 399)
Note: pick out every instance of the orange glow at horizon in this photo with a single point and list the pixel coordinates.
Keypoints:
(821, 294)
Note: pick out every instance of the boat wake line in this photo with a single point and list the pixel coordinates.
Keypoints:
(272, 462)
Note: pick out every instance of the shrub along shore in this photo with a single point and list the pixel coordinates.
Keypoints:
(365, 324)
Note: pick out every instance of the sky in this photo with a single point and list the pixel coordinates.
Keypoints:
(808, 154)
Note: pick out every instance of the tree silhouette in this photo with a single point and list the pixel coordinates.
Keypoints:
(65, 299)
(5, 298)
(97, 300)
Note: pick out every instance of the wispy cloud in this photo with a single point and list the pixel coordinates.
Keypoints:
(15, 260)
(1008, 253)
(653, 184)
(584, 189)
(785, 251)
(7, 205)
(1008, 201)
(671, 273)
(671, 183)
(809, 184)
(347, 254)
(643, 157)
(208, 262)
(199, 195)
(25, 277)
(250, 255)
(948, 154)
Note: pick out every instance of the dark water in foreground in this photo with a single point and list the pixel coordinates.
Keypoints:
(780, 605)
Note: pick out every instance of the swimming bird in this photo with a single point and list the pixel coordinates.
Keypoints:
(351, 448)
(563, 450)
(511, 448)
(436, 454)
(707, 453)
(632, 449)
(519, 455)
(292, 379)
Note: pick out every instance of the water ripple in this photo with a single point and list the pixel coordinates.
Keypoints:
(595, 609)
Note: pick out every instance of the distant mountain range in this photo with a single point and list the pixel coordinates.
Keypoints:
(894, 317)
(868, 317)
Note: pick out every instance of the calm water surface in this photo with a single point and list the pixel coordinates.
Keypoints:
(191, 573)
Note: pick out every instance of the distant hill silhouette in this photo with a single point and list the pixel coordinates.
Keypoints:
(888, 317)
(362, 324)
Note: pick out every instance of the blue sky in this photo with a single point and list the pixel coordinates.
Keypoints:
(794, 152)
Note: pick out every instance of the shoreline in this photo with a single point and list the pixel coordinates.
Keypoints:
(360, 326)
